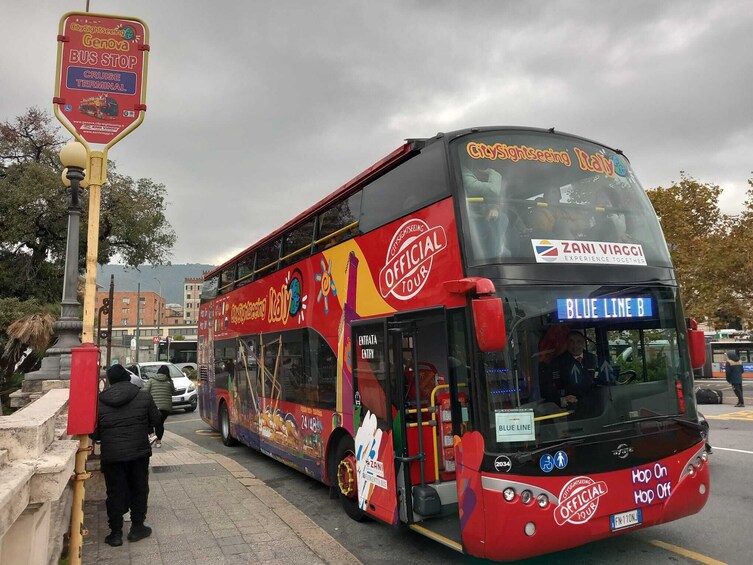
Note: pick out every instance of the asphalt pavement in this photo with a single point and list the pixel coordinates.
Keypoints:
(206, 509)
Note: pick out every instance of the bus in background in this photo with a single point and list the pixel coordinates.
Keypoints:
(716, 358)
(177, 351)
(438, 341)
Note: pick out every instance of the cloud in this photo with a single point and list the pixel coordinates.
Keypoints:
(258, 110)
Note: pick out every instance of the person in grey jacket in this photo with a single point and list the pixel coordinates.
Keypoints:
(162, 389)
(734, 373)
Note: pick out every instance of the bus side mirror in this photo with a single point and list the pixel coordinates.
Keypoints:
(489, 321)
(488, 316)
(696, 345)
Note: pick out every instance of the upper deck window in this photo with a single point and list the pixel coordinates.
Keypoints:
(209, 288)
(246, 269)
(541, 197)
(414, 184)
(267, 258)
(339, 222)
(297, 243)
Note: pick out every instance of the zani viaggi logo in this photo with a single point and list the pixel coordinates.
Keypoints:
(587, 252)
(579, 500)
(409, 258)
(545, 250)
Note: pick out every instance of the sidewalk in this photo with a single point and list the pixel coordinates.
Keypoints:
(206, 509)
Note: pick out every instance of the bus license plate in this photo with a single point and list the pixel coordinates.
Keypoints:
(626, 519)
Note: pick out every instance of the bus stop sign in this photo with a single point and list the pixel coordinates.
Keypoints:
(100, 88)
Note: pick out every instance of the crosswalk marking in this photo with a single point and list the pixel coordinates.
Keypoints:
(687, 553)
(743, 415)
(735, 450)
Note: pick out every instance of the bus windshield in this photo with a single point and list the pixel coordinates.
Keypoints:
(582, 359)
(542, 197)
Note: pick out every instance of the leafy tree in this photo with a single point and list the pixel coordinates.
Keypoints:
(34, 213)
(716, 278)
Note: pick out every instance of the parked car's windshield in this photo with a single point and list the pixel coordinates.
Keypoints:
(148, 371)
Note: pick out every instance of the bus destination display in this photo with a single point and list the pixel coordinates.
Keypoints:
(604, 308)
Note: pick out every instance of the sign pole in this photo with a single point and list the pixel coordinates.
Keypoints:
(96, 173)
(100, 97)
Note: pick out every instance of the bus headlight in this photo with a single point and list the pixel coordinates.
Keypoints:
(509, 494)
(530, 528)
(526, 497)
(542, 500)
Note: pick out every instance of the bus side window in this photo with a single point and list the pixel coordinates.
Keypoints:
(297, 244)
(267, 258)
(416, 183)
(227, 278)
(246, 269)
(338, 223)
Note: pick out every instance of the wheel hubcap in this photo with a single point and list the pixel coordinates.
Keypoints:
(346, 475)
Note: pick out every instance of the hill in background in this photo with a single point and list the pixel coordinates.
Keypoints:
(127, 279)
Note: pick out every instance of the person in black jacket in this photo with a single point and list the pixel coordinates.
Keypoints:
(734, 373)
(573, 377)
(126, 414)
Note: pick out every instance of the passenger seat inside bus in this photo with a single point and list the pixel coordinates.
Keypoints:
(428, 378)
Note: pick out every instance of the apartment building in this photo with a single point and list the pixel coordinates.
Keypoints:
(191, 291)
(148, 306)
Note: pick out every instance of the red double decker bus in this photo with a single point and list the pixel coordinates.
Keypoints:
(442, 340)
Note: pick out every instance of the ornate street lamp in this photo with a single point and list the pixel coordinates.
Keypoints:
(57, 362)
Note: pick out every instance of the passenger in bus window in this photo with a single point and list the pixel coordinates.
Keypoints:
(488, 222)
(548, 219)
(575, 370)
(609, 221)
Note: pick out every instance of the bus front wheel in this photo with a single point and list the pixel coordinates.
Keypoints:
(344, 479)
(227, 439)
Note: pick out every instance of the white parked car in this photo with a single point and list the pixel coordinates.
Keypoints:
(188, 368)
(185, 396)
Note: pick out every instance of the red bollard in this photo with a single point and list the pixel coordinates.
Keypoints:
(82, 401)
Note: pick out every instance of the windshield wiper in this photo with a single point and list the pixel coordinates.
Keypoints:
(658, 418)
(525, 456)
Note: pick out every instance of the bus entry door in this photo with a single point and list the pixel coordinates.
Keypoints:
(418, 342)
(372, 421)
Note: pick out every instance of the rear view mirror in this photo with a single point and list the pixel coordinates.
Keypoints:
(489, 321)
(488, 316)
(696, 345)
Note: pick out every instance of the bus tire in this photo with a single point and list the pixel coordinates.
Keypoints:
(344, 479)
(227, 439)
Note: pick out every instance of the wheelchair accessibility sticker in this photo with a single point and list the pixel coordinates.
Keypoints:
(546, 463)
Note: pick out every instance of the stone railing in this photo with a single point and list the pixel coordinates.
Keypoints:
(36, 464)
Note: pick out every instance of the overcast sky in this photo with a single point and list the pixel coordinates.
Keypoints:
(256, 110)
